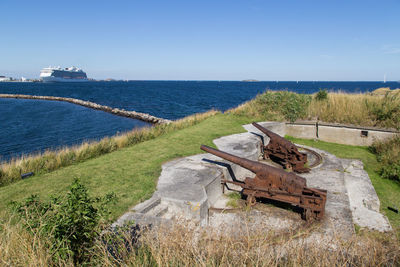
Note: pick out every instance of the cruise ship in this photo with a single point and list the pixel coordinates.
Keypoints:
(57, 74)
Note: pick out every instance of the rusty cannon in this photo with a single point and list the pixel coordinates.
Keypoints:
(283, 151)
(275, 184)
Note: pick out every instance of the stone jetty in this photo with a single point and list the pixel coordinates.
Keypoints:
(116, 111)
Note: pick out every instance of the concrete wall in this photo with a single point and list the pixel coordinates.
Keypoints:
(350, 136)
(340, 134)
(301, 131)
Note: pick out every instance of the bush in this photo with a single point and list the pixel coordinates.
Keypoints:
(388, 153)
(72, 222)
(273, 105)
(387, 111)
(321, 95)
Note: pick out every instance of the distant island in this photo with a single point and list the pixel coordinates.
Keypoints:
(250, 80)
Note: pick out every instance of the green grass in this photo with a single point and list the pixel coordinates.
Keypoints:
(233, 199)
(387, 190)
(130, 172)
(50, 160)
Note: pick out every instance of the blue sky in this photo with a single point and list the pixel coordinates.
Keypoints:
(203, 40)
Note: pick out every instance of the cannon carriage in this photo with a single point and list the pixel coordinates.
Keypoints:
(283, 151)
(275, 184)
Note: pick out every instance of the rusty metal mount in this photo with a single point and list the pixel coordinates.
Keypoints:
(283, 151)
(276, 184)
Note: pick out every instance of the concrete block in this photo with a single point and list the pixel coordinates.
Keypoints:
(364, 202)
(245, 145)
(330, 176)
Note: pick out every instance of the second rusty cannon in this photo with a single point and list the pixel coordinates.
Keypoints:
(283, 151)
(276, 184)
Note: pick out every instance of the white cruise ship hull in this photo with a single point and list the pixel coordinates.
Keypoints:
(59, 79)
(72, 74)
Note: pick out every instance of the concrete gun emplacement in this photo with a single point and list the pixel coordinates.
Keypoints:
(283, 151)
(276, 184)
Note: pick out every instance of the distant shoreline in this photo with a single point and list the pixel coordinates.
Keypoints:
(116, 111)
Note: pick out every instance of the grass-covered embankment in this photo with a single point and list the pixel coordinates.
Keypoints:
(378, 110)
(132, 173)
(52, 160)
(132, 169)
(129, 172)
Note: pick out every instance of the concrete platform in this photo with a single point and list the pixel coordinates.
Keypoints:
(189, 186)
(364, 203)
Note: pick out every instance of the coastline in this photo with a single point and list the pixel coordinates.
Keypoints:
(116, 111)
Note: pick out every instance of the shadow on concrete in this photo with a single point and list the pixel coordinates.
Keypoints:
(279, 204)
(223, 164)
(261, 137)
(229, 168)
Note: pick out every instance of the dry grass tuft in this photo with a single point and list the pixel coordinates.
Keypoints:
(18, 247)
(344, 108)
(359, 109)
(185, 246)
(381, 109)
(384, 91)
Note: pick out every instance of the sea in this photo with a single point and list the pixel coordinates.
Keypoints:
(31, 126)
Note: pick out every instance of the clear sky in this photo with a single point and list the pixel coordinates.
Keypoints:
(203, 40)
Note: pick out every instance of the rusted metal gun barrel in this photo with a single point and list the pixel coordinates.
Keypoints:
(262, 170)
(272, 135)
(245, 163)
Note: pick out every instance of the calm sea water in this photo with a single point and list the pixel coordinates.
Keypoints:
(27, 126)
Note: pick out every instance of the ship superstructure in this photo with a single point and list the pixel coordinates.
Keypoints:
(58, 74)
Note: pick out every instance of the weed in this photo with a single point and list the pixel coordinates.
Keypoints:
(277, 106)
(321, 95)
(386, 111)
(72, 222)
(388, 154)
(233, 199)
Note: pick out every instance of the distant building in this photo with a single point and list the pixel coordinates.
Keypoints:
(4, 79)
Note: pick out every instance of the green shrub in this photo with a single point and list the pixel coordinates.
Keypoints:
(388, 154)
(321, 95)
(385, 112)
(391, 171)
(71, 222)
(233, 199)
(274, 105)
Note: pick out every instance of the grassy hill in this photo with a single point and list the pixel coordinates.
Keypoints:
(129, 166)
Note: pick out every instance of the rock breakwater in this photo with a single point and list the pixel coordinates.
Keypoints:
(116, 111)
